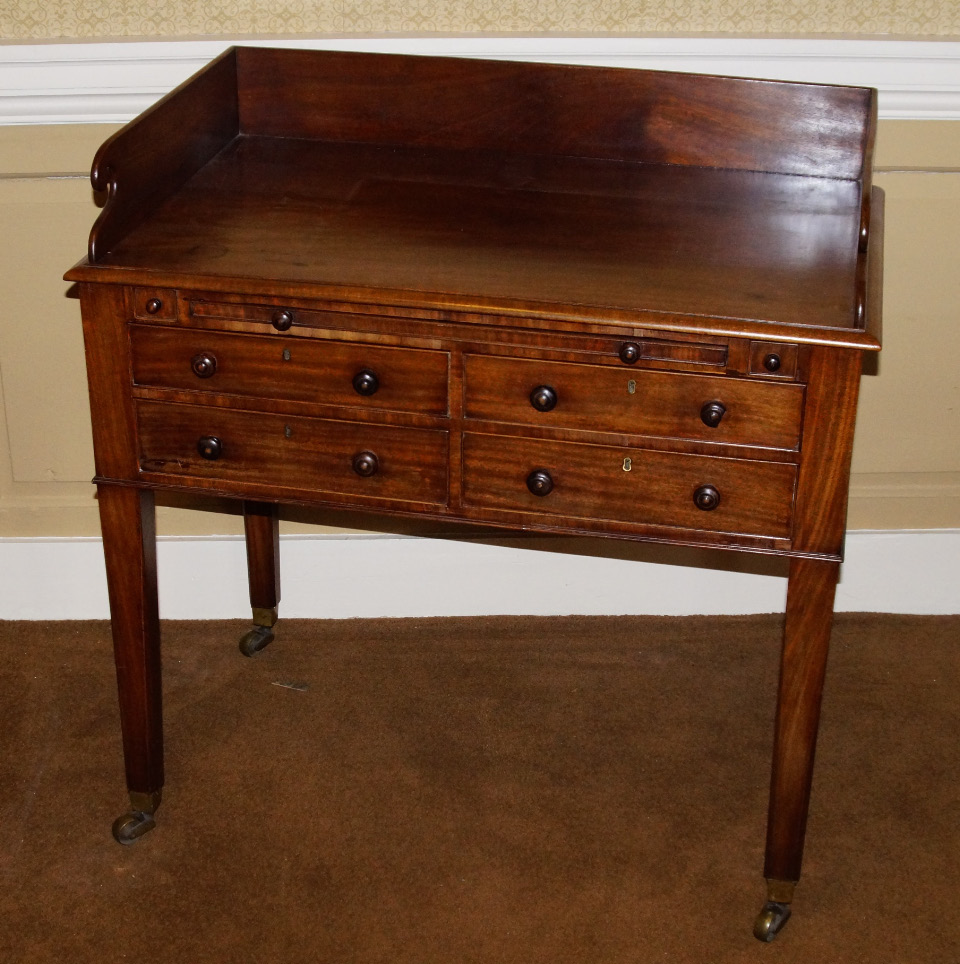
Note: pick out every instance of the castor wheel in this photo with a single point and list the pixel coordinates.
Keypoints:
(130, 826)
(255, 640)
(770, 920)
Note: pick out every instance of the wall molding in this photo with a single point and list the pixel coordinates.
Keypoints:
(340, 576)
(109, 83)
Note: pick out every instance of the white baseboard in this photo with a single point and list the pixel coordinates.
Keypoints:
(107, 83)
(346, 576)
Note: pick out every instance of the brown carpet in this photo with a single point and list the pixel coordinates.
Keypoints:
(498, 790)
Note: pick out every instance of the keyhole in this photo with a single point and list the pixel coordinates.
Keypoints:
(286, 354)
(627, 464)
(631, 386)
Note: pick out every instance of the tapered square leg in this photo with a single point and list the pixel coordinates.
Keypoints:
(261, 525)
(806, 643)
(129, 545)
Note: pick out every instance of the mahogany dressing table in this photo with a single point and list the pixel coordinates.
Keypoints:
(551, 298)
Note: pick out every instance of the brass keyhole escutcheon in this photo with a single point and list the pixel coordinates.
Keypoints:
(632, 386)
(627, 464)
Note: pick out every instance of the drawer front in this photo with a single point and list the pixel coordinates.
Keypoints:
(633, 402)
(321, 455)
(628, 485)
(291, 369)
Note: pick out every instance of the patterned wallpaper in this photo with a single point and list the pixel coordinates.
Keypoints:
(46, 20)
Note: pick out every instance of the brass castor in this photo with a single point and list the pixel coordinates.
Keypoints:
(770, 920)
(255, 640)
(130, 826)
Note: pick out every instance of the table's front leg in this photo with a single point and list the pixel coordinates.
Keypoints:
(127, 522)
(806, 642)
(261, 528)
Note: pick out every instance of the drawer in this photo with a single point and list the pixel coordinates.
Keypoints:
(321, 455)
(773, 359)
(155, 303)
(633, 402)
(628, 485)
(291, 369)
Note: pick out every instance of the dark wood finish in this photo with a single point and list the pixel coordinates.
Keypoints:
(565, 299)
(579, 233)
(833, 385)
(261, 527)
(129, 545)
(301, 370)
(871, 277)
(628, 485)
(806, 642)
(632, 401)
(108, 380)
(181, 132)
(778, 360)
(293, 453)
(638, 115)
(152, 304)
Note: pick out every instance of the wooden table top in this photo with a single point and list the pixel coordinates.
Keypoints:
(518, 229)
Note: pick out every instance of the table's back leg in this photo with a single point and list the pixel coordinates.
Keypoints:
(262, 530)
(129, 545)
(806, 642)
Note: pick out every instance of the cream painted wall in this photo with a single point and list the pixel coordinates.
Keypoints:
(907, 452)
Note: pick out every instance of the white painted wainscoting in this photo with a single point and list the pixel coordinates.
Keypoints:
(359, 575)
(84, 82)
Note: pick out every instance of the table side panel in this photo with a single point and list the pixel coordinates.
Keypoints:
(109, 380)
(833, 386)
(156, 153)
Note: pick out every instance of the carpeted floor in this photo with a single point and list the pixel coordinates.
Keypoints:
(484, 791)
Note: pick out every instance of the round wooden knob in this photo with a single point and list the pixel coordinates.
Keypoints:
(711, 413)
(153, 306)
(203, 364)
(282, 319)
(772, 362)
(365, 382)
(629, 353)
(210, 447)
(543, 398)
(706, 498)
(539, 482)
(366, 464)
